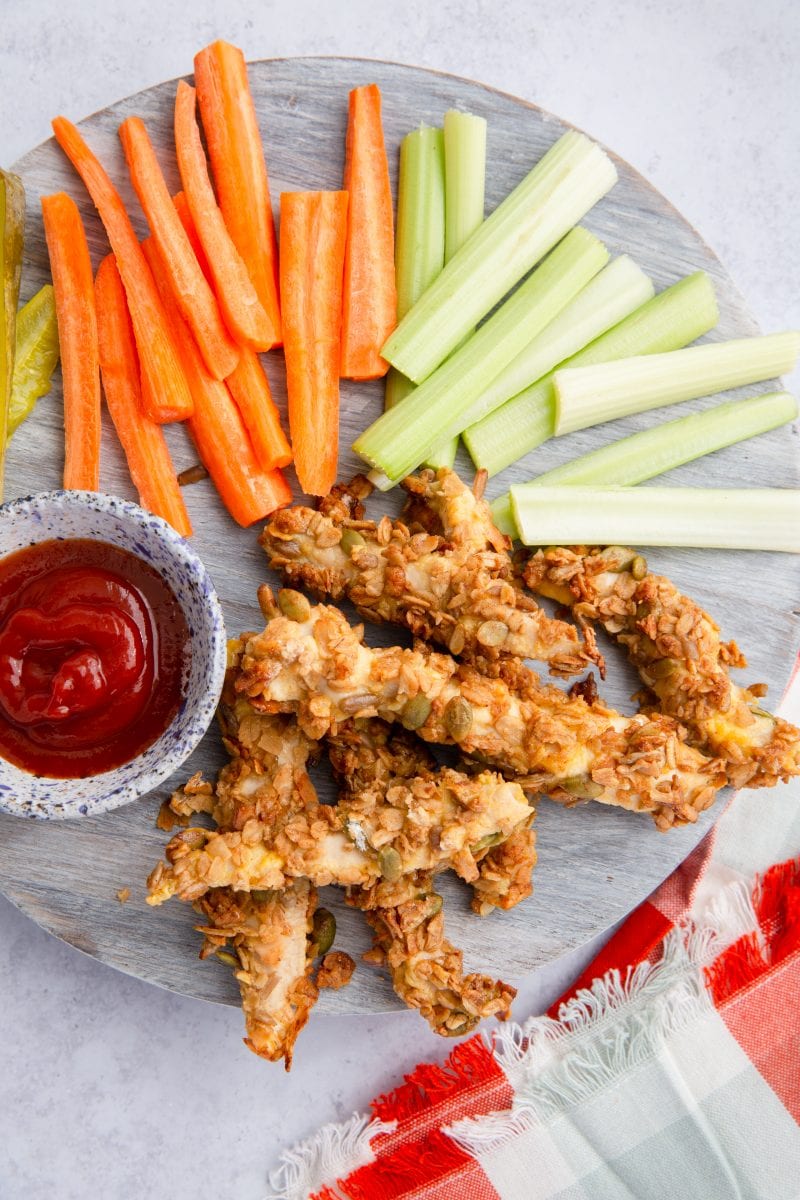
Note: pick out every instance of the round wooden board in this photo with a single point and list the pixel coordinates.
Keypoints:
(596, 864)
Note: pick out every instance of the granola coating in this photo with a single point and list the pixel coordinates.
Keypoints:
(457, 589)
(572, 751)
(269, 932)
(426, 969)
(421, 823)
(677, 650)
(364, 752)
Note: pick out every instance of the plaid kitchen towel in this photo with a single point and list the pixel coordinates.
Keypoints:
(670, 1069)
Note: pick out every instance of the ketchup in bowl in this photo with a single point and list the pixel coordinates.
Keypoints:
(93, 652)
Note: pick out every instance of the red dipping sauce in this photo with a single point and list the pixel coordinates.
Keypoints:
(92, 652)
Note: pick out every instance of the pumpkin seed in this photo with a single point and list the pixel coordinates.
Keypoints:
(457, 718)
(390, 863)
(351, 538)
(294, 605)
(416, 712)
(485, 843)
(582, 786)
(663, 668)
(230, 960)
(639, 567)
(323, 932)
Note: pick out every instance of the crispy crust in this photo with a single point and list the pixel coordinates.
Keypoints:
(264, 782)
(677, 650)
(457, 588)
(321, 670)
(421, 823)
(270, 935)
(426, 968)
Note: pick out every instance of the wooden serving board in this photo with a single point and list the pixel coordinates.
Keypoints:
(596, 864)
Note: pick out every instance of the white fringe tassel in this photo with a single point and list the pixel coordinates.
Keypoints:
(608, 1028)
(330, 1154)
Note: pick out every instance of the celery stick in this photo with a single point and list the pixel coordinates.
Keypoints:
(36, 356)
(405, 435)
(503, 515)
(464, 187)
(617, 291)
(652, 452)
(571, 177)
(671, 319)
(419, 242)
(713, 518)
(588, 396)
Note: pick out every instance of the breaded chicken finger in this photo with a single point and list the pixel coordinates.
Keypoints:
(457, 589)
(677, 650)
(319, 668)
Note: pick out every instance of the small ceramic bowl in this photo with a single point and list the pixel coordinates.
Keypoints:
(73, 514)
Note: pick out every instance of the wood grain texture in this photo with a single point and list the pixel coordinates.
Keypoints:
(596, 864)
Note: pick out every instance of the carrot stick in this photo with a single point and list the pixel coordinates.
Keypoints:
(195, 298)
(142, 440)
(369, 306)
(248, 492)
(249, 387)
(77, 335)
(182, 209)
(248, 383)
(238, 300)
(313, 230)
(167, 390)
(239, 169)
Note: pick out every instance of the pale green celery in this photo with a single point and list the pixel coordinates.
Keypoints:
(710, 518)
(588, 396)
(36, 356)
(503, 515)
(405, 435)
(652, 452)
(419, 241)
(617, 291)
(671, 319)
(464, 188)
(571, 177)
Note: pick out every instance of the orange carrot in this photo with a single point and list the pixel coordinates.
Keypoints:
(142, 440)
(313, 230)
(369, 305)
(250, 389)
(197, 302)
(182, 209)
(166, 388)
(248, 492)
(239, 169)
(248, 383)
(238, 300)
(77, 335)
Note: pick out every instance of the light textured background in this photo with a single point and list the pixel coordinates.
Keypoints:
(108, 1087)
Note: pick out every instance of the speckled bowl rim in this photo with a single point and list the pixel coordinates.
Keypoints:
(195, 722)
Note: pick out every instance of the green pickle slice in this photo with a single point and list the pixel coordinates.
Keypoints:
(36, 355)
(12, 222)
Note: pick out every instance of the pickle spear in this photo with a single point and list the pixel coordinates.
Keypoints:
(36, 355)
(12, 219)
